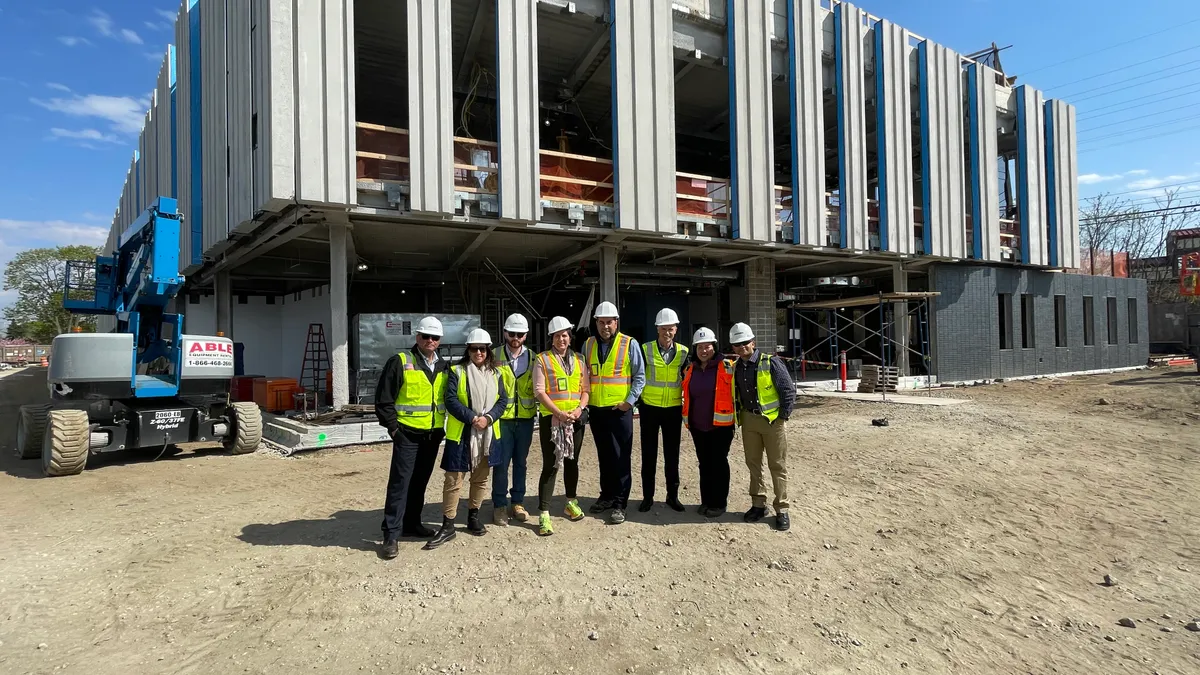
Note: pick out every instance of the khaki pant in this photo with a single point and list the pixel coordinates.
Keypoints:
(759, 435)
(454, 483)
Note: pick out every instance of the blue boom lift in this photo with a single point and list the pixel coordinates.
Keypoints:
(145, 385)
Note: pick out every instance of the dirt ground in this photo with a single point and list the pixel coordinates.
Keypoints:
(972, 538)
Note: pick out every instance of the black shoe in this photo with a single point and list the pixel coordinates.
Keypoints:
(601, 506)
(674, 503)
(473, 525)
(443, 535)
(646, 505)
(418, 531)
(755, 514)
(617, 516)
(782, 522)
(390, 549)
(713, 512)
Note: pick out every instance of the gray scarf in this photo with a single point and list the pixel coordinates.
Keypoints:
(484, 389)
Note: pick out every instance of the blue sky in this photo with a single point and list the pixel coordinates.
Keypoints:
(76, 75)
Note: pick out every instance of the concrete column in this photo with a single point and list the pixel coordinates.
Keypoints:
(339, 329)
(223, 288)
(900, 329)
(760, 303)
(608, 276)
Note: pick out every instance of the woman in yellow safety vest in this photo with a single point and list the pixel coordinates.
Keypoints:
(560, 385)
(708, 411)
(475, 400)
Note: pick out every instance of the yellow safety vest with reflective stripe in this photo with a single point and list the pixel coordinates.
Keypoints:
(768, 396)
(454, 426)
(564, 389)
(521, 404)
(664, 383)
(420, 405)
(612, 379)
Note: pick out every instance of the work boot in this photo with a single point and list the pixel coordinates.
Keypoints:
(390, 548)
(500, 516)
(518, 513)
(601, 506)
(782, 522)
(646, 504)
(473, 525)
(443, 535)
(755, 514)
(418, 531)
(713, 512)
(673, 502)
(617, 516)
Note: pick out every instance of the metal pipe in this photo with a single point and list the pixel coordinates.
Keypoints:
(671, 271)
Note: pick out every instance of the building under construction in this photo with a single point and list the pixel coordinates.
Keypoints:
(339, 161)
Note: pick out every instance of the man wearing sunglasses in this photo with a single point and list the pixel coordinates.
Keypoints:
(516, 425)
(764, 395)
(410, 403)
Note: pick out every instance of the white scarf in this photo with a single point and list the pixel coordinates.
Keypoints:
(484, 390)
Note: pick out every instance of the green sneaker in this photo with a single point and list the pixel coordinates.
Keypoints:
(572, 511)
(545, 529)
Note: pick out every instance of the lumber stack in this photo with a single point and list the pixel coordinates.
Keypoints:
(878, 379)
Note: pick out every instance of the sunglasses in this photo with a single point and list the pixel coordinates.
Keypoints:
(431, 338)
(516, 336)
(741, 345)
(477, 350)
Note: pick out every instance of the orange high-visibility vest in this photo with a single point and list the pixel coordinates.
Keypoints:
(724, 411)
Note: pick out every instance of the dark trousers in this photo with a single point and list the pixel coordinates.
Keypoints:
(670, 420)
(712, 452)
(549, 472)
(414, 454)
(612, 430)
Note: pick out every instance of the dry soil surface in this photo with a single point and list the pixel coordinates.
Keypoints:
(973, 538)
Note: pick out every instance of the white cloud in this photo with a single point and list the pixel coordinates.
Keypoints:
(1150, 183)
(84, 135)
(104, 25)
(1093, 178)
(124, 112)
(52, 232)
(96, 218)
(130, 36)
(59, 87)
(1138, 172)
(72, 41)
(166, 14)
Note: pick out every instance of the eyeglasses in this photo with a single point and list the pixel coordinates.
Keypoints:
(741, 345)
(431, 338)
(516, 336)
(477, 350)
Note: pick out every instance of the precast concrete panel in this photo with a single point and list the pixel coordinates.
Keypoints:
(274, 103)
(324, 64)
(517, 91)
(188, 121)
(643, 75)
(1031, 178)
(430, 107)
(1062, 185)
(749, 26)
(806, 84)
(983, 157)
(215, 123)
(943, 157)
(849, 35)
(141, 161)
(240, 116)
(893, 138)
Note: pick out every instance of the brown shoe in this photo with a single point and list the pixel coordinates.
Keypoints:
(518, 513)
(500, 516)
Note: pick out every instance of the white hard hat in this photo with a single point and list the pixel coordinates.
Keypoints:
(666, 317)
(430, 326)
(479, 336)
(740, 333)
(558, 324)
(606, 310)
(515, 323)
(704, 335)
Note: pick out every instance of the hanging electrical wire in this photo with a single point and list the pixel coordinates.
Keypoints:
(1093, 139)
(1126, 67)
(1127, 84)
(1176, 26)
(1141, 102)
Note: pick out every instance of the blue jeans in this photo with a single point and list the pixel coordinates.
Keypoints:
(515, 439)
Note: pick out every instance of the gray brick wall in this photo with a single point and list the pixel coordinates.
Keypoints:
(760, 302)
(966, 323)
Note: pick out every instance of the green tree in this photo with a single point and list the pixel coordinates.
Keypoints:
(37, 275)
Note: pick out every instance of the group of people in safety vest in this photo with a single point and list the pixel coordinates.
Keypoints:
(484, 408)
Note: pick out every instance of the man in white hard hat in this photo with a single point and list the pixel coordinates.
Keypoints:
(661, 407)
(516, 427)
(618, 375)
(764, 394)
(410, 403)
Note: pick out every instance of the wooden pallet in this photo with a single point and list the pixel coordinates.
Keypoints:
(876, 379)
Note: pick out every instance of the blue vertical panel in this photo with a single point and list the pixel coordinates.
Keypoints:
(849, 33)
(983, 155)
(806, 83)
(751, 121)
(893, 137)
(1031, 183)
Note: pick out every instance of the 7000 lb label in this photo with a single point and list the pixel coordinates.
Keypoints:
(201, 354)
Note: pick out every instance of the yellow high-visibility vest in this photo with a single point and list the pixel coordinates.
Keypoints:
(521, 404)
(664, 384)
(564, 389)
(612, 379)
(420, 405)
(768, 396)
(455, 426)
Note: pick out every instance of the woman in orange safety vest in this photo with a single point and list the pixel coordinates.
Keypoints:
(708, 412)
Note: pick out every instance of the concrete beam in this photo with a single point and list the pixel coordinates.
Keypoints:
(224, 299)
(475, 244)
(608, 275)
(580, 74)
(339, 330)
(571, 259)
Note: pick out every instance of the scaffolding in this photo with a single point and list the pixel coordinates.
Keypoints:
(910, 307)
